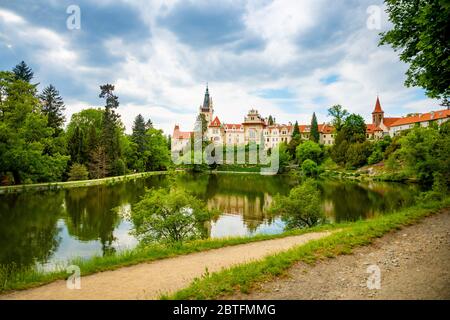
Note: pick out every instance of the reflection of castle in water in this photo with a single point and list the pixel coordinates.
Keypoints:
(250, 208)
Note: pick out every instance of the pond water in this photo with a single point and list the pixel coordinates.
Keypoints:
(48, 227)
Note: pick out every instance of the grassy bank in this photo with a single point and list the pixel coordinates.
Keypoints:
(17, 279)
(76, 184)
(244, 277)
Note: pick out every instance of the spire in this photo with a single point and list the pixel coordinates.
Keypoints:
(378, 106)
(206, 100)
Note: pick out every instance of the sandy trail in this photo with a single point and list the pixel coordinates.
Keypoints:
(150, 280)
(414, 264)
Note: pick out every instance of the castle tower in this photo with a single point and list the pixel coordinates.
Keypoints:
(207, 108)
(377, 114)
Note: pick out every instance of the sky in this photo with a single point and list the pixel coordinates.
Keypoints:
(285, 58)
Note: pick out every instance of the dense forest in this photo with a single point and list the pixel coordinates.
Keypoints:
(36, 147)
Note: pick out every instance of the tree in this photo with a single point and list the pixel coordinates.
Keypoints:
(314, 135)
(309, 168)
(301, 208)
(309, 150)
(111, 130)
(270, 121)
(204, 124)
(76, 147)
(353, 131)
(99, 165)
(296, 131)
(53, 107)
(339, 115)
(138, 135)
(283, 156)
(157, 154)
(25, 136)
(78, 172)
(23, 72)
(420, 32)
(358, 154)
(149, 124)
(168, 216)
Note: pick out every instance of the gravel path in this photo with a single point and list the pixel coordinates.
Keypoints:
(150, 280)
(414, 263)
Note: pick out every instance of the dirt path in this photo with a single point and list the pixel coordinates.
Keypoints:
(414, 264)
(149, 280)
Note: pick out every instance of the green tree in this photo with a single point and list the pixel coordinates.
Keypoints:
(53, 107)
(24, 135)
(99, 165)
(23, 72)
(309, 168)
(168, 216)
(301, 208)
(270, 121)
(420, 33)
(358, 154)
(296, 131)
(76, 147)
(339, 115)
(78, 172)
(138, 135)
(157, 154)
(309, 150)
(314, 135)
(111, 126)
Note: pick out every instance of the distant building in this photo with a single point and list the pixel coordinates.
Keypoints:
(256, 129)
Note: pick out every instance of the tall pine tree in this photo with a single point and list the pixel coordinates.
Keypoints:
(296, 131)
(53, 107)
(110, 125)
(314, 134)
(138, 135)
(23, 72)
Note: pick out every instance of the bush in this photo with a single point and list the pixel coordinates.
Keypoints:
(309, 168)
(168, 216)
(309, 150)
(78, 172)
(119, 167)
(357, 154)
(301, 208)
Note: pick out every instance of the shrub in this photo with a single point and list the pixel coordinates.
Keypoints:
(309, 168)
(309, 150)
(168, 216)
(78, 172)
(301, 208)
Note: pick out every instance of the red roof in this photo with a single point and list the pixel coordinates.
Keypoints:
(378, 107)
(389, 121)
(177, 134)
(324, 128)
(231, 126)
(215, 122)
(371, 128)
(434, 115)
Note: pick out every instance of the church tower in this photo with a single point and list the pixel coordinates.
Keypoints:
(207, 108)
(377, 114)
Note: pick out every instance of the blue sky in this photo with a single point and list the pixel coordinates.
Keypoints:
(287, 58)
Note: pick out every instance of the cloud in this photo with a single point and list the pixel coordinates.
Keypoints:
(286, 58)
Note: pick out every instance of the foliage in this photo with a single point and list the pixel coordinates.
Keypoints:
(424, 152)
(168, 215)
(420, 32)
(25, 138)
(309, 150)
(78, 172)
(284, 156)
(301, 208)
(314, 134)
(296, 131)
(349, 141)
(23, 72)
(339, 115)
(309, 168)
(53, 107)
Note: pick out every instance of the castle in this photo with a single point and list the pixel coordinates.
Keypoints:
(256, 129)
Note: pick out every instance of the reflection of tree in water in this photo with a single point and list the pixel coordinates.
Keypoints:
(353, 201)
(91, 213)
(28, 227)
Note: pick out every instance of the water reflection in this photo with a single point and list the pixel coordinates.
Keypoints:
(47, 227)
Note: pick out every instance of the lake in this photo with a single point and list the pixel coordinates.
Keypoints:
(48, 227)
